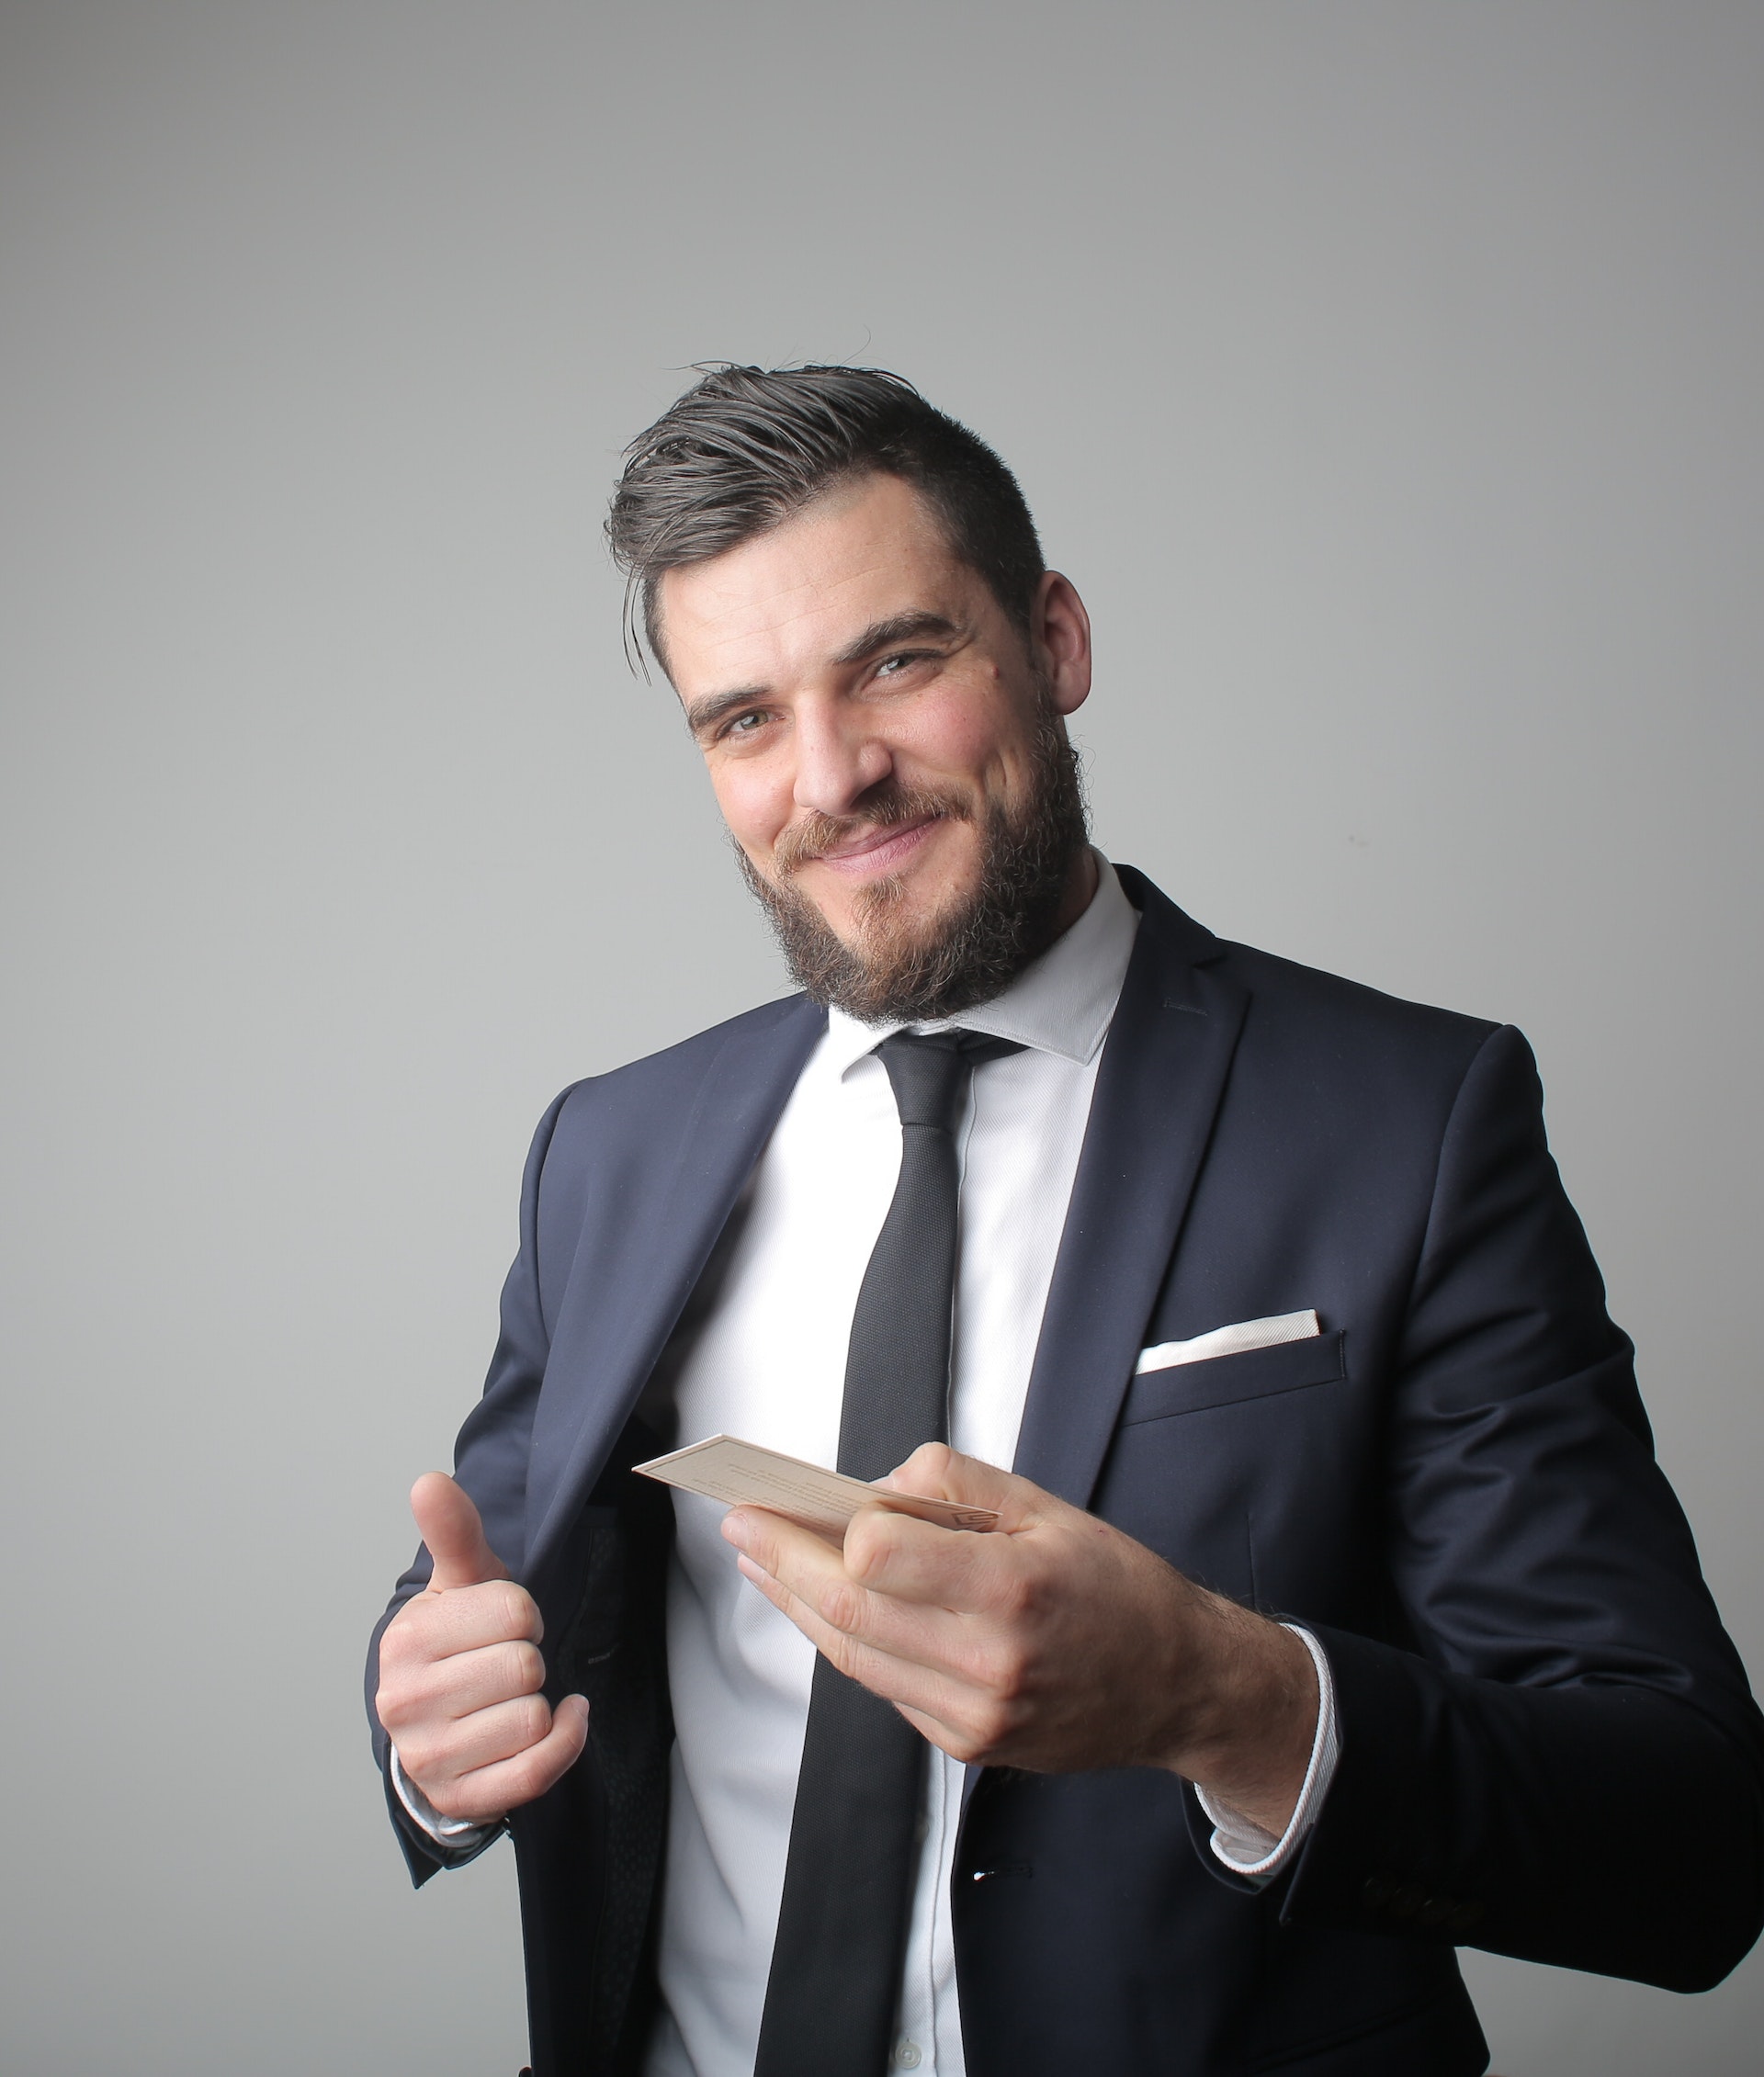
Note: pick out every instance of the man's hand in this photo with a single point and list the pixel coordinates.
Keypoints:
(460, 1674)
(1053, 1642)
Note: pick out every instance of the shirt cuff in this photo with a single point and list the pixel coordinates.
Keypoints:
(1244, 1847)
(458, 1834)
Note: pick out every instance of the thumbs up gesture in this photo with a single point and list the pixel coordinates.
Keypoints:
(460, 1674)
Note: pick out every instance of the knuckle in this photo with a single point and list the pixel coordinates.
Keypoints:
(525, 1669)
(992, 1725)
(841, 1604)
(417, 1754)
(1004, 1674)
(1015, 1679)
(415, 1694)
(452, 1799)
(515, 1613)
(391, 1704)
(411, 1692)
(401, 1641)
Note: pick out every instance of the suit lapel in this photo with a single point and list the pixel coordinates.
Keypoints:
(1158, 1089)
(606, 1342)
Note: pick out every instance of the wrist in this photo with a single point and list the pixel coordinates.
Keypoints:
(456, 1832)
(1248, 1718)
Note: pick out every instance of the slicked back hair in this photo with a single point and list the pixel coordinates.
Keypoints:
(745, 448)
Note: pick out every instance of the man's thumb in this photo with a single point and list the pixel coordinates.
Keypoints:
(453, 1533)
(943, 1473)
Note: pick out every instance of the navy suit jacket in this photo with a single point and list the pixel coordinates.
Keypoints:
(1453, 1487)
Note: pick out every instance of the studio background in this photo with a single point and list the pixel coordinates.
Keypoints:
(1385, 376)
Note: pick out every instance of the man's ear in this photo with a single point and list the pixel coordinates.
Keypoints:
(1059, 631)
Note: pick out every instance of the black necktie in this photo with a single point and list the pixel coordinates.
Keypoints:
(836, 1963)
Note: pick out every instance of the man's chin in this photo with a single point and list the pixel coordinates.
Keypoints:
(953, 930)
(886, 918)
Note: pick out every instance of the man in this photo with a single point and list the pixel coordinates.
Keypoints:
(1336, 1611)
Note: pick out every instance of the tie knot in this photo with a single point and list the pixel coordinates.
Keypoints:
(929, 1071)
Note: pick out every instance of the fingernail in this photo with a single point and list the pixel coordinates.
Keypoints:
(735, 1528)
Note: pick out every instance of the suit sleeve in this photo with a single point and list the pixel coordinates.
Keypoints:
(489, 1461)
(1517, 1779)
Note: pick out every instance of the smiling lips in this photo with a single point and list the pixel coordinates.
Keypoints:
(876, 849)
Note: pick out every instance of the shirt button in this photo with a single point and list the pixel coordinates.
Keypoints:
(907, 2055)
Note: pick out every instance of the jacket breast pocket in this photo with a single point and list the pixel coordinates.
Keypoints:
(1221, 1381)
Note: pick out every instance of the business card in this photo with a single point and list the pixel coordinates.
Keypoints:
(744, 1474)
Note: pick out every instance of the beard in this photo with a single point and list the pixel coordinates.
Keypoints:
(895, 971)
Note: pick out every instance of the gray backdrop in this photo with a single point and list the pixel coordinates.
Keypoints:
(1384, 374)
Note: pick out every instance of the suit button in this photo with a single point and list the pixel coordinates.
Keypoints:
(1465, 1917)
(1377, 1891)
(1408, 1899)
(1435, 1910)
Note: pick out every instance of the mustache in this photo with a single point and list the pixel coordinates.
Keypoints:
(889, 807)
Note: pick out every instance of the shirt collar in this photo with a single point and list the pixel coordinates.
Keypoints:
(1061, 1004)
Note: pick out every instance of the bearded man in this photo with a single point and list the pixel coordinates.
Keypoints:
(1336, 1613)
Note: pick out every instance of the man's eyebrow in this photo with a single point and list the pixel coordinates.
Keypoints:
(879, 635)
(888, 634)
(705, 712)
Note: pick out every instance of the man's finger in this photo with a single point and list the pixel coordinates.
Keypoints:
(451, 1528)
(489, 1793)
(885, 1554)
(435, 1626)
(920, 1685)
(458, 1685)
(806, 1579)
(501, 1731)
(943, 1473)
(916, 1561)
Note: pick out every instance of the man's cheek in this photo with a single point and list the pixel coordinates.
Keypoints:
(952, 870)
(751, 808)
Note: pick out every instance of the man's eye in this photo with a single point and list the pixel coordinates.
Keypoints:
(892, 666)
(744, 724)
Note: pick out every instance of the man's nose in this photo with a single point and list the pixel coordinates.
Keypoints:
(838, 761)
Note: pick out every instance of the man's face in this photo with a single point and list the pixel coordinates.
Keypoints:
(887, 748)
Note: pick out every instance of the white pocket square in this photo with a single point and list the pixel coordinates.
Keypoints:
(1229, 1341)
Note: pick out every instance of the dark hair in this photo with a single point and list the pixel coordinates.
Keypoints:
(746, 448)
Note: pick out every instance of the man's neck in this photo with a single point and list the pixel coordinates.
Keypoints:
(1080, 891)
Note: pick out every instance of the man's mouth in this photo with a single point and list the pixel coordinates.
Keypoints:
(875, 848)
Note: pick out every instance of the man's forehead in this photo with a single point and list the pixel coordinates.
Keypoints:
(797, 594)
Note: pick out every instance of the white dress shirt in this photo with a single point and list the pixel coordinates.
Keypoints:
(765, 1359)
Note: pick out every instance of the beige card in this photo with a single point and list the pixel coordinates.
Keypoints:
(745, 1475)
